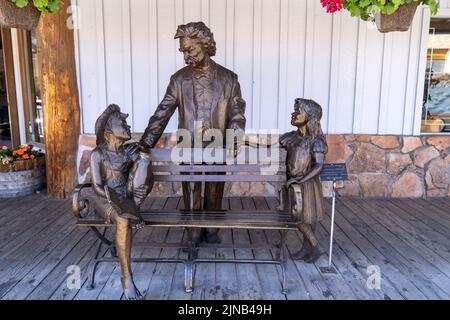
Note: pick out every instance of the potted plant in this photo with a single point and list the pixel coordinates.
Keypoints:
(25, 14)
(389, 15)
(22, 171)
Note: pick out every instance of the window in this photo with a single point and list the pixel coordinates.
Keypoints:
(436, 100)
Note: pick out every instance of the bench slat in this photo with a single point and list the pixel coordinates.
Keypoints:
(276, 169)
(234, 219)
(220, 178)
(247, 155)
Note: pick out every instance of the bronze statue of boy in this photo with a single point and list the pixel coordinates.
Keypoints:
(122, 178)
(306, 149)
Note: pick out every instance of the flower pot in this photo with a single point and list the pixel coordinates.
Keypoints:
(12, 16)
(22, 179)
(400, 20)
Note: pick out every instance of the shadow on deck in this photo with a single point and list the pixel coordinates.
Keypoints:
(407, 240)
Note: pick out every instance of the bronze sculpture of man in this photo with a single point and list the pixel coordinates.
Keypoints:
(122, 179)
(207, 96)
(306, 149)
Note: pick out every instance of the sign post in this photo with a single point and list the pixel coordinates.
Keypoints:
(332, 172)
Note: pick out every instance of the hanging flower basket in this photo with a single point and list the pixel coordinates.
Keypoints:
(389, 15)
(400, 20)
(12, 16)
(22, 171)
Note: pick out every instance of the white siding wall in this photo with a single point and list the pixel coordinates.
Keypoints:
(365, 81)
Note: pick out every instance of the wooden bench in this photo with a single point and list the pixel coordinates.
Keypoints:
(261, 165)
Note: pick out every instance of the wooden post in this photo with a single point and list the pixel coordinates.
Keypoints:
(57, 72)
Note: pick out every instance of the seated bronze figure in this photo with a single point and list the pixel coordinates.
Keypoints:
(122, 179)
(306, 149)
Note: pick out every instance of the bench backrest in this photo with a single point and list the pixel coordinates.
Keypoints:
(253, 164)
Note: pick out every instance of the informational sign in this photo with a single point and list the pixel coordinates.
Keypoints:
(334, 172)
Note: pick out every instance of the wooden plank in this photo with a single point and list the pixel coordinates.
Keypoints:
(420, 231)
(376, 252)
(442, 203)
(386, 249)
(36, 249)
(351, 275)
(313, 280)
(295, 282)
(32, 226)
(103, 273)
(226, 274)
(269, 275)
(63, 292)
(439, 214)
(27, 241)
(46, 277)
(161, 283)
(106, 270)
(12, 210)
(419, 215)
(360, 259)
(143, 272)
(335, 282)
(410, 241)
(248, 281)
(205, 276)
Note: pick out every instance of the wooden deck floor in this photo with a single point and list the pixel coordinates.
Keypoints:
(409, 240)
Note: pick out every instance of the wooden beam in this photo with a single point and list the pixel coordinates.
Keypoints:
(57, 71)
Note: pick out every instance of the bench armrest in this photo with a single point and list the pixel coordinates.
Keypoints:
(80, 207)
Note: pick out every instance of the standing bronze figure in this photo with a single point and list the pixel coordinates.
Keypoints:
(207, 96)
(306, 149)
(122, 179)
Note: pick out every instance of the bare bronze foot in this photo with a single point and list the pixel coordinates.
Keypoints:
(314, 255)
(131, 292)
(304, 251)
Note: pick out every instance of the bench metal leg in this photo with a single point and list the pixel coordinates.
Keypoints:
(189, 264)
(188, 276)
(102, 241)
(95, 262)
(282, 258)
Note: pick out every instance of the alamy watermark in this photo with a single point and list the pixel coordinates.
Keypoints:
(374, 280)
(73, 281)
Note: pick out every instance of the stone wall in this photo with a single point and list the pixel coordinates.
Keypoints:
(379, 166)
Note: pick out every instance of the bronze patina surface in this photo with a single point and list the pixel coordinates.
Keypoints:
(207, 96)
(122, 179)
(306, 149)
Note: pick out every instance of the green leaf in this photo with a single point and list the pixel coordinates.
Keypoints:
(54, 6)
(21, 3)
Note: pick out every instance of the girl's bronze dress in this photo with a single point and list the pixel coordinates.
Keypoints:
(300, 160)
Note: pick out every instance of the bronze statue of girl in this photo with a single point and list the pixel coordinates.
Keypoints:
(306, 149)
(122, 179)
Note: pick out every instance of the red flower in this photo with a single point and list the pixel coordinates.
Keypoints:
(332, 5)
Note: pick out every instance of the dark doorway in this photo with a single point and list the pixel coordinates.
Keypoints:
(9, 119)
(5, 125)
